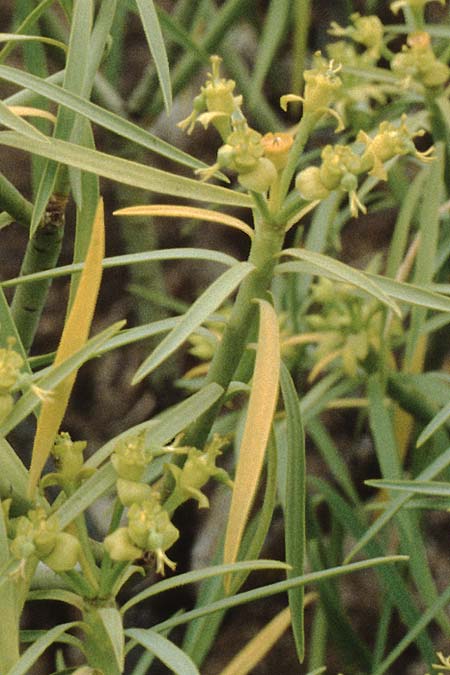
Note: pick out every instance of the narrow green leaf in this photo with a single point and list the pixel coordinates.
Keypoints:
(278, 587)
(381, 424)
(410, 293)
(99, 115)
(13, 476)
(31, 655)
(295, 525)
(125, 171)
(421, 487)
(164, 650)
(205, 305)
(200, 575)
(354, 522)
(438, 606)
(435, 424)
(382, 428)
(268, 44)
(327, 265)
(58, 595)
(430, 472)
(128, 259)
(155, 42)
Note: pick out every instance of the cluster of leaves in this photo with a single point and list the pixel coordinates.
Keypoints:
(366, 333)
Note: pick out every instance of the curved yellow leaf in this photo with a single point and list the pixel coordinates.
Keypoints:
(255, 650)
(26, 111)
(173, 211)
(74, 336)
(261, 409)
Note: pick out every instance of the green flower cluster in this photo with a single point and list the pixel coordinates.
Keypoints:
(149, 530)
(245, 151)
(418, 62)
(69, 464)
(38, 535)
(347, 329)
(341, 165)
(10, 364)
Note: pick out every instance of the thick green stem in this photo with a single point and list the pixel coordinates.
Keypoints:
(266, 244)
(42, 254)
(14, 203)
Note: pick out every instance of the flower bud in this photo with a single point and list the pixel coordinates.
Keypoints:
(130, 492)
(276, 148)
(64, 555)
(418, 61)
(120, 547)
(10, 365)
(260, 178)
(309, 184)
(141, 519)
(321, 85)
(130, 457)
(68, 456)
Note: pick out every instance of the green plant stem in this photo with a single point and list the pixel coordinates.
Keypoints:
(42, 254)
(266, 244)
(14, 203)
(307, 124)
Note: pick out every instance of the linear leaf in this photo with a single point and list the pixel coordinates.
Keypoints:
(278, 587)
(431, 471)
(421, 487)
(200, 575)
(205, 305)
(125, 171)
(409, 293)
(435, 424)
(128, 259)
(295, 525)
(261, 408)
(165, 650)
(345, 273)
(269, 42)
(13, 476)
(99, 115)
(31, 655)
(170, 211)
(74, 336)
(155, 42)
(437, 606)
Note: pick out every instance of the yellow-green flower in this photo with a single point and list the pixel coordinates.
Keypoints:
(418, 62)
(366, 30)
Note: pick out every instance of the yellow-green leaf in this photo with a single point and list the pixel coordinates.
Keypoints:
(173, 211)
(74, 335)
(261, 408)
